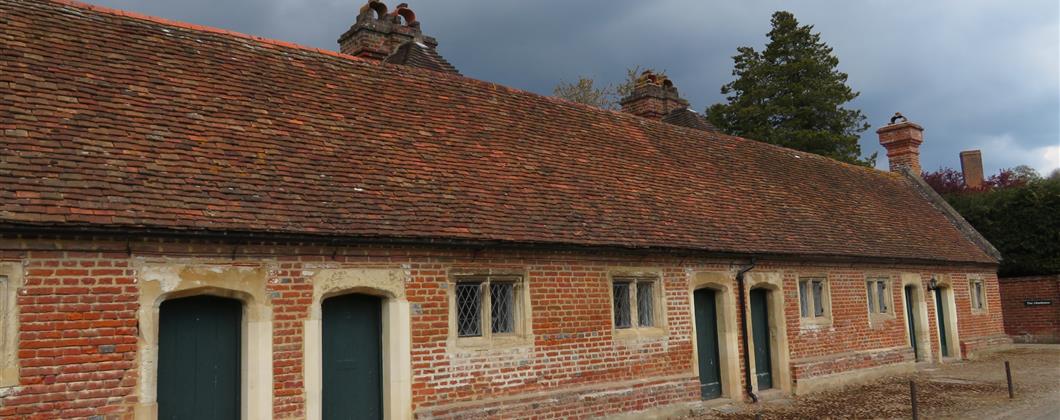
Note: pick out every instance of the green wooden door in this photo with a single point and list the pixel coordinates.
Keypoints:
(940, 313)
(198, 358)
(909, 319)
(352, 347)
(707, 344)
(760, 334)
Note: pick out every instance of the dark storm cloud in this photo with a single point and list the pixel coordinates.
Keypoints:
(974, 74)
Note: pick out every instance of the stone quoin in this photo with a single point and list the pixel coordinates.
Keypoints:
(196, 223)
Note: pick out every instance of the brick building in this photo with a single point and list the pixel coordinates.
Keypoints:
(1032, 308)
(196, 223)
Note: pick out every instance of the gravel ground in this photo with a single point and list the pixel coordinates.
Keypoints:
(963, 390)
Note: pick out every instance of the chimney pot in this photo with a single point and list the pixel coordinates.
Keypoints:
(378, 33)
(902, 141)
(972, 168)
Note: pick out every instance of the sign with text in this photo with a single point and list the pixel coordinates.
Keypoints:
(1037, 302)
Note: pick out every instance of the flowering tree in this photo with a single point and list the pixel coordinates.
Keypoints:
(951, 181)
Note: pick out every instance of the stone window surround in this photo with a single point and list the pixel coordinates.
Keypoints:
(389, 284)
(875, 317)
(826, 293)
(170, 280)
(11, 273)
(523, 335)
(635, 275)
(972, 298)
(724, 284)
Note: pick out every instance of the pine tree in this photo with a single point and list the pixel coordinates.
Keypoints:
(791, 95)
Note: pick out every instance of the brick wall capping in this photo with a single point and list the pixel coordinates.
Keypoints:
(898, 126)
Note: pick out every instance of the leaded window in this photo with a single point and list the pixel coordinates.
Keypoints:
(469, 309)
(813, 298)
(502, 307)
(487, 305)
(621, 303)
(634, 302)
(878, 295)
(645, 304)
(978, 295)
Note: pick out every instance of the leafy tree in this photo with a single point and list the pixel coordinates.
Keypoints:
(951, 181)
(791, 94)
(586, 91)
(1023, 222)
(945, 180)
(1025, 173)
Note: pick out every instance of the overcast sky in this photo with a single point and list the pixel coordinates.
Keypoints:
(976, 74)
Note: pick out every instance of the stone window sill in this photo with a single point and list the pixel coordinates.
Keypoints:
(815, 323)
(639, 333)
(495, 342)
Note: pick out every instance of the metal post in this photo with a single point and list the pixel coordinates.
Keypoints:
(1008, 377)
(912, 397)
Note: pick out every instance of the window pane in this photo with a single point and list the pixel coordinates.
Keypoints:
(978, 295)
(645, 304)
(869, 293)
(621, 297)
(469, 309)
(881, 294)
(804, 299)
(502, 309)
(818, 298)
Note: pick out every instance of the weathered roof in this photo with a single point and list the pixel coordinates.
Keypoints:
(688, 118)
(415, 54)
(117, 121)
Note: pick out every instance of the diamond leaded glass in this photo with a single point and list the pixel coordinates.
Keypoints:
(502, 309)
(881, 296)
(469, 309)
(621, 298)
(645, 304)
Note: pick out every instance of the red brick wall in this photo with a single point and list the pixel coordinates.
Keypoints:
(77, 342)
(1031, 323)
(75, 305)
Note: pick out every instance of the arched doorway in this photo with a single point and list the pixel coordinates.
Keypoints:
(352, 353)
(763, 354)
(911, 321)
(199, 362)
(707, 346)
(946, 319)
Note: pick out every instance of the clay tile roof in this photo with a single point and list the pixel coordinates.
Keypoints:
(688, 118)
(418, 55)
(115, 121)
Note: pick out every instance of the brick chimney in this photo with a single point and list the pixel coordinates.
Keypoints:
(654, 96)
(902, 140)
(972, 168)
(377, 34)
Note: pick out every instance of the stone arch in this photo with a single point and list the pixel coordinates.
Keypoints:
(920, 313)
(397, 351)
(946, 289)
(778, 327)
(723, 284)
(171, 280)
